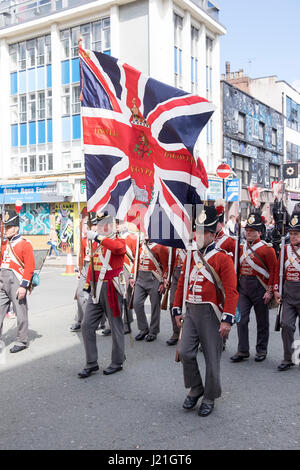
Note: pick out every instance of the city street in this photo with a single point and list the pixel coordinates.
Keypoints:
(45, 406)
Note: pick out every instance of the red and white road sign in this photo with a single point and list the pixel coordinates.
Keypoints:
(223, 170)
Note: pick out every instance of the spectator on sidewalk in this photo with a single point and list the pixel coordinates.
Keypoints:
(53, 242)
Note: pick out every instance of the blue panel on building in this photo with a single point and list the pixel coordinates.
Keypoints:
(32, 133)
(41, 132)
(13, 83)
(49, 130)
(22, 82)
(40, 78)
(75, 71)
(49, 76)
(23, 134)
(65, 72)
(14, 135)
(31, 80)
(76, 126)
(66, 128)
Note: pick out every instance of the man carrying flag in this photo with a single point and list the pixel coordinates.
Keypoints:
(139, 143)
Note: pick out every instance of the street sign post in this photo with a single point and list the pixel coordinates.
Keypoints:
(233, 190)
(223, 171)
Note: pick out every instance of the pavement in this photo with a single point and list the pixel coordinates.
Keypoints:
(45, 406)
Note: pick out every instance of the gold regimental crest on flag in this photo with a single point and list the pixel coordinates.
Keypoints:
(202, 217)
(294, 220)
(251, 219)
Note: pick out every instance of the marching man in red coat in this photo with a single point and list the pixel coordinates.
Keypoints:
(17, 266)
(106, 297)
(257, 268)
(223, 241)
(291, 291)
(211, 301)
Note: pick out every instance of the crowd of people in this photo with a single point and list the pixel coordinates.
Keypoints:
(212, 285)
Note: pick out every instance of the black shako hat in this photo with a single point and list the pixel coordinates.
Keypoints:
(11, 218)
(294, 223)
(208, 219)
(255, 221)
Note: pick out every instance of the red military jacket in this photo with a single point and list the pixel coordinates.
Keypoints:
(225, 242)
(84, 254)
(17, 255)
(201, 288)
(291, 266)
(117, 247)
(131, 241)
(161, 254)
(252, 265)
(180, 258)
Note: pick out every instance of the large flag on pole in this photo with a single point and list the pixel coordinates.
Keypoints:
(139, 139)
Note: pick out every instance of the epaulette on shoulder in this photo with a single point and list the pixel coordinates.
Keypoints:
(267, 244)
(224, 251)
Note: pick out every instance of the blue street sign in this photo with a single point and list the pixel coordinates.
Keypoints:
(233, 188)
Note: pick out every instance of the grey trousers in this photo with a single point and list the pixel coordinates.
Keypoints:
(251, 294)
(174, 282)
(290, 312)
(147, 284)
(9, 285)
(201, 325)
(81, 299)
(94, 313)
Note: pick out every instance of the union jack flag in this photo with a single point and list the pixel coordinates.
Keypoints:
(139, 136)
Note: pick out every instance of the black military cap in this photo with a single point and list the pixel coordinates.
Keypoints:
(11, 218)
(294, 223)
(208, 219)
(255, 221)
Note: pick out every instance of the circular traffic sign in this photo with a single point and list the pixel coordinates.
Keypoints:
(223, 170)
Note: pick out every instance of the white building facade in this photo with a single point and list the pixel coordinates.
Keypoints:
(40, 134)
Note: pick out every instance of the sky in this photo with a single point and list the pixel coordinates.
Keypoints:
(263, 38)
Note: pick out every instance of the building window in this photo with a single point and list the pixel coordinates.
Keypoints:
(194, 58)
(209, 59)
(13, 57)
(66, 157)
(178, 25)
(23, 108)
(261, 132)
(241, 124)
(32, 163)
(30, 46)
(76, 99)
(42, 163)
(241, 166)
(66, 101)
(274, 173)
(22, 55)
(95, 36)
(50, 161)
(24, 167)
(292, 114)
(32, 107)
(274, 139)
(41, 105)
(14, 115)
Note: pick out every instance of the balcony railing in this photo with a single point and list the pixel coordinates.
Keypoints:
(13, 12)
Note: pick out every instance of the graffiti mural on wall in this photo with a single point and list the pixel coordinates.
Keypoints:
(64, 223)
(35, 219)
